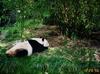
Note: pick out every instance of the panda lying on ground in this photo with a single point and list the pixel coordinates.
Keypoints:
(28, 47)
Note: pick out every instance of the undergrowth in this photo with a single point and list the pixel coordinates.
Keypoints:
(51, 61)
(60, 60)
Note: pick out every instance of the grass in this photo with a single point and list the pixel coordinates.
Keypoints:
(36, 64)
(52, 61)
(75, 60)
(18, 30)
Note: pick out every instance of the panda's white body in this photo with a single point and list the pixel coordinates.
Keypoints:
(27, 46)
(20, 46)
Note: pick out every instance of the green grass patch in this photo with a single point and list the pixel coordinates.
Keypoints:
(19, 30)
(52, 61)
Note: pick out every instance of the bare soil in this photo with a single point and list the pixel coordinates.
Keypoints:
(56, 39)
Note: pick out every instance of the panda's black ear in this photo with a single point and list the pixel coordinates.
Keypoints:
(42, 39)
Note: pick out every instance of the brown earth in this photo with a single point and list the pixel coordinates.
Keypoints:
(54, 37)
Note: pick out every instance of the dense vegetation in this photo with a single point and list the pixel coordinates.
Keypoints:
(77, 17)
(73, 17)
(20, 19)
(52, 61)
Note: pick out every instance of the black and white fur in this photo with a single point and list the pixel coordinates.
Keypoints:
(28, 47)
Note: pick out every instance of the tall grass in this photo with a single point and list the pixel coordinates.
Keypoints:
(57, 61)
(18, 30)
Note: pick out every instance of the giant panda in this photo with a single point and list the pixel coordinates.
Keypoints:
(28, 47)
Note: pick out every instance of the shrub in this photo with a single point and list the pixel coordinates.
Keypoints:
(76, 17)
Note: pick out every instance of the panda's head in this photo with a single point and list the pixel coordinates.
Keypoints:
(41, 41)
(28, 47)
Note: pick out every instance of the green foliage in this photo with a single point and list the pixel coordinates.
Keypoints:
(53, 61)
(79, 17)
(73, 17)
(27, 8)
(46, 62)
(20, 30)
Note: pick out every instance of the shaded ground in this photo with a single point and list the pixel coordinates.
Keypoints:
(53, 35)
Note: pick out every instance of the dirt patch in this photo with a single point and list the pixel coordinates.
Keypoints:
(55, 39)
(53, 35)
